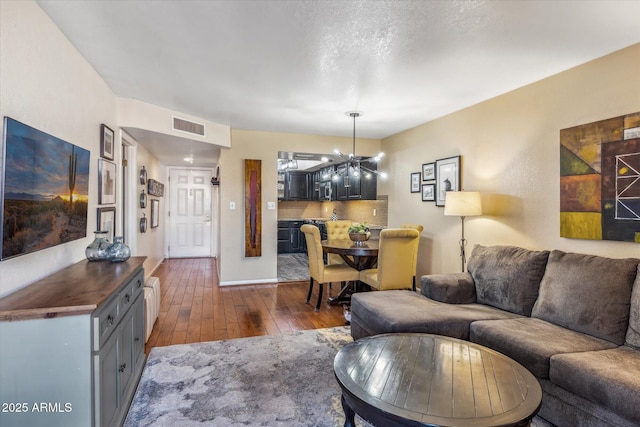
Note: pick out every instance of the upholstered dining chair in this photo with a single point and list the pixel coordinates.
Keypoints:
(418, 227)
(320, 272)
(397, 259)
(337, 230)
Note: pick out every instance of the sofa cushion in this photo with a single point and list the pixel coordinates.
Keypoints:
(383, 312)
(507, 277)
(532, 342)
(610, 378)
(453, 288)
(588, 294)
(633, 333)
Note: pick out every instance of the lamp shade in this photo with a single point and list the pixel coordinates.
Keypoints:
(463, 203)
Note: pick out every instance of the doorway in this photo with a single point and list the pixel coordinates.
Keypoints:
(190, 213)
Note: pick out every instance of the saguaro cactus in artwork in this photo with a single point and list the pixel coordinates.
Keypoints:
(73, 164)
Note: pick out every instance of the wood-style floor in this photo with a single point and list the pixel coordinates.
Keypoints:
(195, 308)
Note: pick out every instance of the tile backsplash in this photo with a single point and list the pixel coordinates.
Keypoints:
(355, 210)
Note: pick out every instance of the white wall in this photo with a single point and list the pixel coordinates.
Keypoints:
(510, 148)
(47, 84)
(153, 242)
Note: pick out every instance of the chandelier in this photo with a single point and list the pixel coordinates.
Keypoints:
(354, 163)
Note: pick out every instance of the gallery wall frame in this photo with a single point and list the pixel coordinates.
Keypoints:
(447, 178)
(252, 208)
(106, 182)
(155, 188)
(107, 221)
(429, 192)
(429, 171)
(42, 177)
(415, 182)
(107, 143)
(155, 213)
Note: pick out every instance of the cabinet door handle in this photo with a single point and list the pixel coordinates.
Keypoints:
(122, 367)
(110, 319)
(139, 283)
(136, 339)
(126, 298)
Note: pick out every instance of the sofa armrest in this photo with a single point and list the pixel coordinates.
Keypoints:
(455, 288)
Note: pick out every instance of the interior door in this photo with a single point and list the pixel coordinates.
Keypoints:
(190, 213)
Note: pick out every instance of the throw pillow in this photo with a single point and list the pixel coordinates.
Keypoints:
(507, 277)
(633, 333)
(588, 294)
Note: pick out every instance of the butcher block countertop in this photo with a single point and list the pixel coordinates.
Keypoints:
(78, 289)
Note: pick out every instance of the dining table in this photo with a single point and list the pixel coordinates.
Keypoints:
(358, 255)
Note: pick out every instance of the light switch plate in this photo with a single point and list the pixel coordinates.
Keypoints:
(271, 205)
(232, 205)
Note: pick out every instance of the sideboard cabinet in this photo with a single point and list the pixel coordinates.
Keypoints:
(72, 346)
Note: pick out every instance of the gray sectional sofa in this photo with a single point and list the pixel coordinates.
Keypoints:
(573, 320)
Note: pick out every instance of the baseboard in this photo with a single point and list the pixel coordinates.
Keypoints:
(247, 282)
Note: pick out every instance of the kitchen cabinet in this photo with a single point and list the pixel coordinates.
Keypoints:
(290, 238)
(294, 185)
(74, 342)
(361, 186)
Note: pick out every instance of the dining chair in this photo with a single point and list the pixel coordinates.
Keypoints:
(416, 226)
(338, 229)
(419, 228)
(397, 259)
(320, 272)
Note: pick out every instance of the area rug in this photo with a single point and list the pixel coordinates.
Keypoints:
(278, 380)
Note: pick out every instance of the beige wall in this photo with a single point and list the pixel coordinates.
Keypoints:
(235, 268)
(510, 152)
(45, 83)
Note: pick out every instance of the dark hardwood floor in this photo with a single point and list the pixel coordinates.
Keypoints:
(194, 307)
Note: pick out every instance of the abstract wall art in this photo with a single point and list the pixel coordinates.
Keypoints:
(253, 208)
(600, 180)
(45, 190)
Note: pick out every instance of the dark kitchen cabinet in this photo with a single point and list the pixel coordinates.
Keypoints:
(290, 238)
(294, 186)
(353, 186)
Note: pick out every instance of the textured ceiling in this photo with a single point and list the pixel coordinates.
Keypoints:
(297, 66)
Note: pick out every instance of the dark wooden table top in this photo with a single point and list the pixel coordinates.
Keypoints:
(77, 289)
(360, 257)
(421, 379)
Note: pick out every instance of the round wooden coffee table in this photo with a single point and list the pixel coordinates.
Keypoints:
(430, 380)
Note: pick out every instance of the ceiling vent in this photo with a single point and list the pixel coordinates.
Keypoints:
(187, 126)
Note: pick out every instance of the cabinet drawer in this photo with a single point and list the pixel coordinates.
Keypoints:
(105, 322)
(130, 292)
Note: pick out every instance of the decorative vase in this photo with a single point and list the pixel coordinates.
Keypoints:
(97, 250)
(359, 238)
(118, 251)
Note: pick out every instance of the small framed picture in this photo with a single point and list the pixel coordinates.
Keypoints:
(415, 182)
(448, 178)
(106, 182)
(428, 192)
(107, 144)
(429, 171)
(155, 213)
(107, 221)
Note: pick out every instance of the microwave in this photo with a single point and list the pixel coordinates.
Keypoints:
(325, 190)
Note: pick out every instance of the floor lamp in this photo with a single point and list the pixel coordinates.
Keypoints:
(463, 204)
